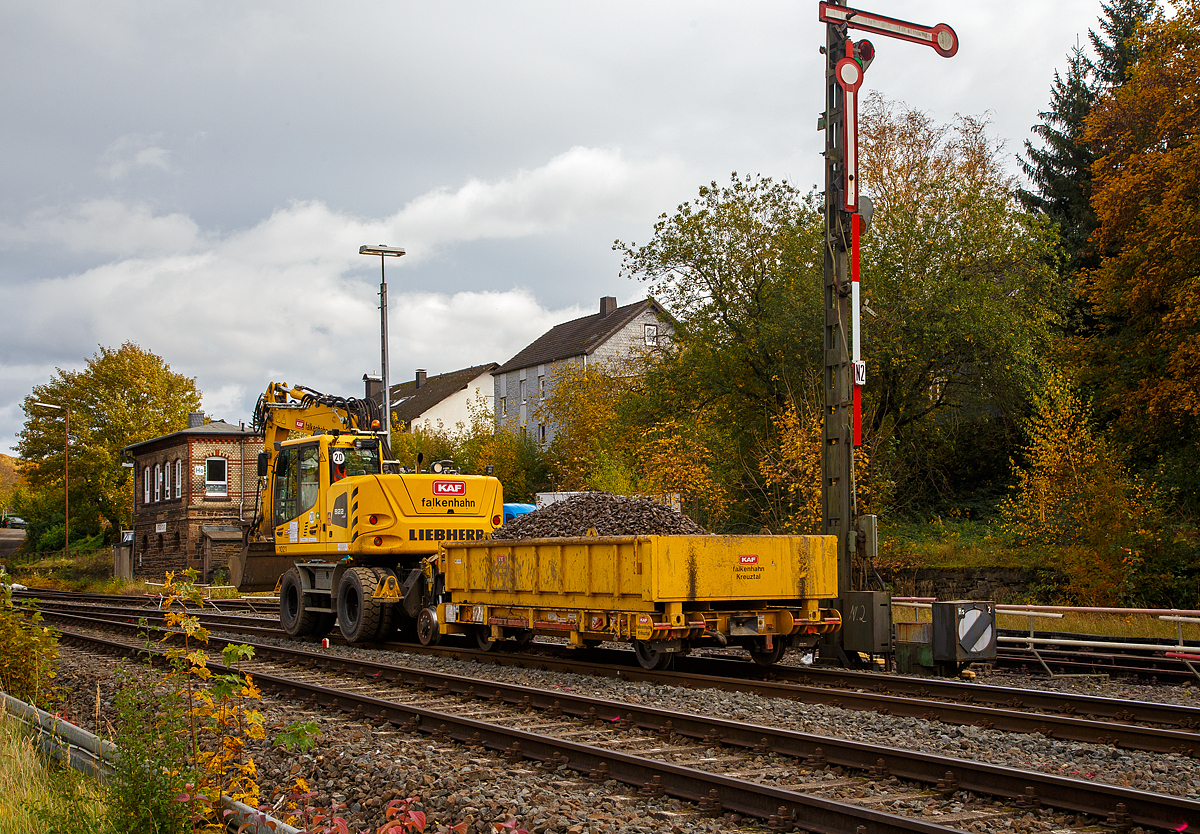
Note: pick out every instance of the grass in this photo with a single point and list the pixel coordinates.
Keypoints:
(951, 542)
(38, 795)
(86, 572)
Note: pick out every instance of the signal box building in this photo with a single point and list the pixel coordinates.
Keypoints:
(193, 491)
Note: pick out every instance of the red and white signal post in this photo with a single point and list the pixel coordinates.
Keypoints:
(847, 214)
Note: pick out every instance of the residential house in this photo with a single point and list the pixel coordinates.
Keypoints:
(613, 334)
(193, 491)
(426, 401)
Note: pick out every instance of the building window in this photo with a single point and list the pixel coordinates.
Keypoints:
(651, 335)
(216, 476)
(541, 387)
(157, 482)
(146, 485)
(542, 432)
(178, 478)
(522, 392)
(167, 482)
(504, 406)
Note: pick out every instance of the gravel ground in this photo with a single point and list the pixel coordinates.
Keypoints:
(365, 766)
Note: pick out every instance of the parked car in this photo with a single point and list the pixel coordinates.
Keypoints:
(14, 521)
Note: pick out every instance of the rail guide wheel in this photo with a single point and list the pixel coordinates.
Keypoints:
(427, 627)
(651, 657)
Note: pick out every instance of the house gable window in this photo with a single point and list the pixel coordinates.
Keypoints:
(216, 476)
(651, 335)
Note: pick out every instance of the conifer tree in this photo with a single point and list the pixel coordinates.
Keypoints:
(1061, 170)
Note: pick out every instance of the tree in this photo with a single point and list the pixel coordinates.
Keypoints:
(123, 396)
(1073, 493)
(1061, 170)
(740, 269)
(961, 282)
(1143, 363)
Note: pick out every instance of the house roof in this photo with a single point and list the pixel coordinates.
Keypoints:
(216, 427)
(579, 337)
(409, 402)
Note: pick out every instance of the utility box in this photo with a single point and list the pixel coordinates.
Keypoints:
(964, 630)
(867, 622)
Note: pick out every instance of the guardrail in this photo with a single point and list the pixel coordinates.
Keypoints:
(95, 756)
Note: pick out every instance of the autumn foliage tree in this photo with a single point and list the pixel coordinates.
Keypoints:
(1144, 363)
(961, 281)
(123, 396)
(1074, 495)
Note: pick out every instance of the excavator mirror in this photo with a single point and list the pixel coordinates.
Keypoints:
(263, 463)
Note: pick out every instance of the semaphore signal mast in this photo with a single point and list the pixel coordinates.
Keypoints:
(847, 215)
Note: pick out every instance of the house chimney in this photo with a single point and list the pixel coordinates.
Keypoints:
(420, 377)
(195, 419)
(374, 387)
(608, 304)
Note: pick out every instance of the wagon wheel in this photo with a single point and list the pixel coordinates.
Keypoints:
(483, 637)
(764, 656)
(650, 656)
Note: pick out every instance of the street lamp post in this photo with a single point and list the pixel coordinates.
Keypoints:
(66, 473)
(383, 252)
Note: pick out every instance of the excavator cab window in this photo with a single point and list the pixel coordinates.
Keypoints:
(286, 496)
(356, 461)
(310, 477)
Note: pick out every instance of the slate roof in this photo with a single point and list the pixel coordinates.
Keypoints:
(217, 427)
(409, 402)
(579, 337)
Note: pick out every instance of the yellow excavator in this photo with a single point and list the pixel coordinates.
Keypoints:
(340, 529)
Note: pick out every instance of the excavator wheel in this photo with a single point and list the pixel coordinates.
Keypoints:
(389, 614)
(358, 612)
(295, 617)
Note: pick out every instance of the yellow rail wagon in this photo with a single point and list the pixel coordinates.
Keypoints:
(665, 594)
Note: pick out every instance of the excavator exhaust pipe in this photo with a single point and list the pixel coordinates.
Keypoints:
(258, 567)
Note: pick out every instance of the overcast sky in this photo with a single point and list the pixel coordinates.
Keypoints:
(197, 177)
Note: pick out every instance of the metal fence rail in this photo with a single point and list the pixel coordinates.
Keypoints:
(95, 756)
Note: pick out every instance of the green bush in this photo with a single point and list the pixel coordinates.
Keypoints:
(28, 649)
(153, 768)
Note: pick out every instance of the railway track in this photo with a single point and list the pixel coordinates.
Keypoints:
(359, 691)
(1134, 725)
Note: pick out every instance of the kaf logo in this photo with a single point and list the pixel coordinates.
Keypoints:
(449, 487)
(748, 560)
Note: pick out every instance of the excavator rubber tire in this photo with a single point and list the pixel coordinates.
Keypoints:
(295, 617)
(390, 613)
(358, 612)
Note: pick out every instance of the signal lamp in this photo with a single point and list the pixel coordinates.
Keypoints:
(495, 521)
(378, 541)
(864, 53)
(373, 519)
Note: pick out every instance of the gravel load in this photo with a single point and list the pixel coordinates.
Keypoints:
(609, 515)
